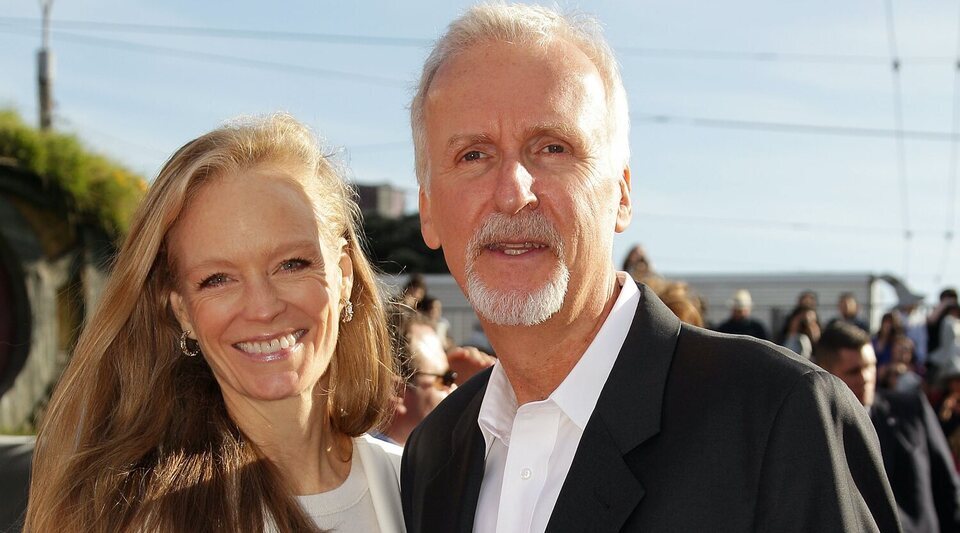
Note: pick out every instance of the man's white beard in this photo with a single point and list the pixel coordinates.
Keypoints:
(517, 307)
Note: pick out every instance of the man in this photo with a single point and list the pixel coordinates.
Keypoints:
(603, 413)
(740, 322)
(426, 372)
(948, 298)
(849, 310)
(915, 452)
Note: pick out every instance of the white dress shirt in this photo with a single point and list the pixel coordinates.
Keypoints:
(529, 449)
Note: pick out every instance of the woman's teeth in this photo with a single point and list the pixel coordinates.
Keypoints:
(271, 346)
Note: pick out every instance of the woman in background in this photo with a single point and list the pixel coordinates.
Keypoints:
(801, 331)
(236, 360)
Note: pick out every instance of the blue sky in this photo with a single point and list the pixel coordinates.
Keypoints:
(763, 132)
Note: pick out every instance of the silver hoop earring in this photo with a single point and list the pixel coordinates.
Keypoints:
(186, 349)
(347, 314)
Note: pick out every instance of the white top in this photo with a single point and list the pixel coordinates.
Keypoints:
(347, 508)
(529, 449)
(375, 476)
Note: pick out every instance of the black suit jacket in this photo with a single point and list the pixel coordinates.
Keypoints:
(693, 431)
(918, 462)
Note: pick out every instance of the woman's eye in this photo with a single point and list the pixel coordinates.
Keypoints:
(472, 155)
(213, 281)
(294, 264)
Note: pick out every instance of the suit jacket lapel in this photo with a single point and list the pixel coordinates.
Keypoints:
(458, 481)
(601, 491)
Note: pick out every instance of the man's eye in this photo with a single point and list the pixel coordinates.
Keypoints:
(215, 280)
(294, 264)
(472, 155)
(554, 149)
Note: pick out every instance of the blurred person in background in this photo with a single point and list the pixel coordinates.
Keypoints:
(890, 328)
(901, 373)
(948, 406)
(915, 453)
(740, 322)
(413, 291)
(236, 360)
(433, 308)
(948, 298)
(637, 264)
(914, 322)
(424, 369)
(848, 310)
(800, 331)
(678, 297)
(808, 299)
(948, 347)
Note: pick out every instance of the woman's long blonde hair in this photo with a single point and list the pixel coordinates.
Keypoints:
(137, 436)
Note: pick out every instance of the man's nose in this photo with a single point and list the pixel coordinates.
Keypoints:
(514, 188)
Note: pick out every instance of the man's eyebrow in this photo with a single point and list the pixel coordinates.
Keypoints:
(466, 139)
(558, 129)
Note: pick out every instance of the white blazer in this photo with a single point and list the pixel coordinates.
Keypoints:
(381, 464)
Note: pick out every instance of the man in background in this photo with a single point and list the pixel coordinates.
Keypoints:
(424, 369)
(849, 311)
(740, 321)
(915, 452)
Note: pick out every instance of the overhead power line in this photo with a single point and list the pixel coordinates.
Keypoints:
(129, 46)
(792, 127)
(230, 33)
(773, 57)
(765, 224)
(898, 126)
(419, 42)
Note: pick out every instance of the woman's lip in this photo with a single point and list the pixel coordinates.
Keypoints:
(297, 332)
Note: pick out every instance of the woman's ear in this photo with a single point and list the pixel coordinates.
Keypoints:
(180, 311)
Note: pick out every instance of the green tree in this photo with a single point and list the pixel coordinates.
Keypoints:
(100, 189)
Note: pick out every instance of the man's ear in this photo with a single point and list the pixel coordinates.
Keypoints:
(346, 271)
(427, 228)
(180, 311)
(625, 210)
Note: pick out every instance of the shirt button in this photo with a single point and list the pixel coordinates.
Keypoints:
(526, 473)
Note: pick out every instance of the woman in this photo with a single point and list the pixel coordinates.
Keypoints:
(891, 327)
(801, 331)
(237, 357)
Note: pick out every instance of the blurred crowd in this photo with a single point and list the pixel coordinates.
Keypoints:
(431, 364)
(906, 373)
(912, 355)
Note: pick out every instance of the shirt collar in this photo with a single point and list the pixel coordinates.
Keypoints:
(577, 395)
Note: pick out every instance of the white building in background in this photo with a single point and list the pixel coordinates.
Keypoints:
(774, 295)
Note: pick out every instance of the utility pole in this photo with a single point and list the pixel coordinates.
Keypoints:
(45, 70)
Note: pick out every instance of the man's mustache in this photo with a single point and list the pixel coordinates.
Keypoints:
(529, 226)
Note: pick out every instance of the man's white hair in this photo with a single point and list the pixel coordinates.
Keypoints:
(533, 26)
